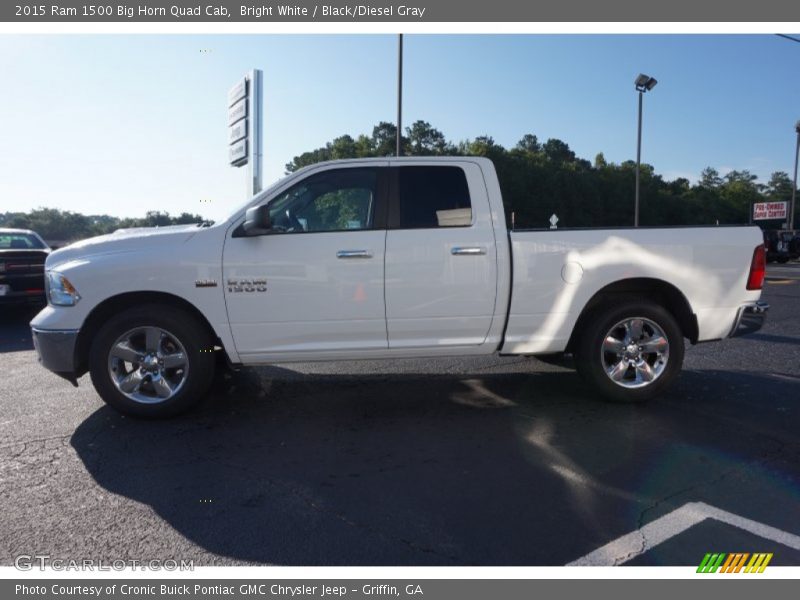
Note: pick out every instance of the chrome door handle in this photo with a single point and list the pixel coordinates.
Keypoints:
(467, 251)
(354, 254)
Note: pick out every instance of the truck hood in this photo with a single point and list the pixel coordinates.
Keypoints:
(124, 240)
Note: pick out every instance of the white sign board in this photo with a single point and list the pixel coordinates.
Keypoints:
(244, 128)
(237, 92)
(237, 112)
(237, 131)
(237, 153)
(763, 211)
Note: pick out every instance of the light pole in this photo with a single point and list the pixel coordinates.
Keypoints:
(644, 83)
(399, 149)
(794, 187)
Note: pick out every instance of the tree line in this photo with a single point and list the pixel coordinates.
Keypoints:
(67, 226)
(539, 179)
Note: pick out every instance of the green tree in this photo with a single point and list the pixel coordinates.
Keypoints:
(538, 180)
(65, 226)
(342, 147)
(384, 139)
(779, 186)
(558, 151)
(424, 140)
(709, 178)
(529, 143)
(600, 161)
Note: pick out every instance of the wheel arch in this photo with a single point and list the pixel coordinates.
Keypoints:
(658, 291)
(114, 304)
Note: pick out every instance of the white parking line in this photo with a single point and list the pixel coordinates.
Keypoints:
(638, 542)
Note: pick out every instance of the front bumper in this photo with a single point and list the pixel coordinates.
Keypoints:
(56, 350)
(749, 319)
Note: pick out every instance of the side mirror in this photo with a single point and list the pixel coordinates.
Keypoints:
(256, 221)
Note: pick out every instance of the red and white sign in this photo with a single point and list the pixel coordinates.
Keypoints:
(769, 210)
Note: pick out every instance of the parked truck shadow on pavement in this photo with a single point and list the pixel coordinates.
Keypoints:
(283, 468)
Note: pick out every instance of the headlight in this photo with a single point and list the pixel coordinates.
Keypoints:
(60, 292)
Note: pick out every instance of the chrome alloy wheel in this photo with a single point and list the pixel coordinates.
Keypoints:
(148, 364)
(634, 352)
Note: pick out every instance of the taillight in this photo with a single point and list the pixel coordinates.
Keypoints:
(758, 269)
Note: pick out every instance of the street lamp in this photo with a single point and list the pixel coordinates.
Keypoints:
(644, 83)
(794, 187)
(399, 134)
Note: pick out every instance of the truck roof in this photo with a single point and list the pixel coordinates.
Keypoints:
(380, 159)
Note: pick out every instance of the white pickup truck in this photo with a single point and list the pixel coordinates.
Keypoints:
(388, 258)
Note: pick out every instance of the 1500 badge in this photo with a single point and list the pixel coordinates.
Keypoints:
(256, 284)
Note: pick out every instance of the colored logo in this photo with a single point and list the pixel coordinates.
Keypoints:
(735, 562)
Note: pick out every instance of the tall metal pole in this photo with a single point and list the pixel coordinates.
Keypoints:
(255, 133)
(794, 187)
(638, 163)
(399, 150)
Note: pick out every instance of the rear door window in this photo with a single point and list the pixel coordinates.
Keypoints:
(431, 197)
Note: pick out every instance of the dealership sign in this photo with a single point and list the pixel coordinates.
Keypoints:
(244, 128)
(237, 123)
(769, 210)
(244, 120)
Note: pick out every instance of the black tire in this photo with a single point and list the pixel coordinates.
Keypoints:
(592, 361)
(183, 329)
(783, 260)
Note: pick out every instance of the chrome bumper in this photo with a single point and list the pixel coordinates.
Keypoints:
(750, 319)
(56, 350)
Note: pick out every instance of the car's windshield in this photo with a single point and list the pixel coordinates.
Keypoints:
(20, 241)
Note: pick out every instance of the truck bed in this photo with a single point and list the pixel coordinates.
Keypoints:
(557, 272)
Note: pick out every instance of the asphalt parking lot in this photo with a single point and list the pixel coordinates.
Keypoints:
(451, 462)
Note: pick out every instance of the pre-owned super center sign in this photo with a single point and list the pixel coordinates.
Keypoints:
(769, 210)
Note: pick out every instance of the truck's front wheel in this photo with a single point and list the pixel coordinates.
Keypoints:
(631, 352)
(151, 361)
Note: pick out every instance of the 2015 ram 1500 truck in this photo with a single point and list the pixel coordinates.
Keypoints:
(388, 258)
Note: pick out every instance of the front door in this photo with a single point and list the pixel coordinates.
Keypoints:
(315, 282)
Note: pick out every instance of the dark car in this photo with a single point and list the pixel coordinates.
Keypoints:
(794, 245)
(781, 245)
(22, 256)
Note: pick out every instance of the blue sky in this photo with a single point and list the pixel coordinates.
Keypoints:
(125, 124)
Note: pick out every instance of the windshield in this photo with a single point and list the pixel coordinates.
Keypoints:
(20, 241)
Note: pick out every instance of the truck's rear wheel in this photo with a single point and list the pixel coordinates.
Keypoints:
(631, 352)
(152, 361)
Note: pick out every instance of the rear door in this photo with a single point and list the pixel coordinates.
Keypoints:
(441, 256)
(315, 282)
